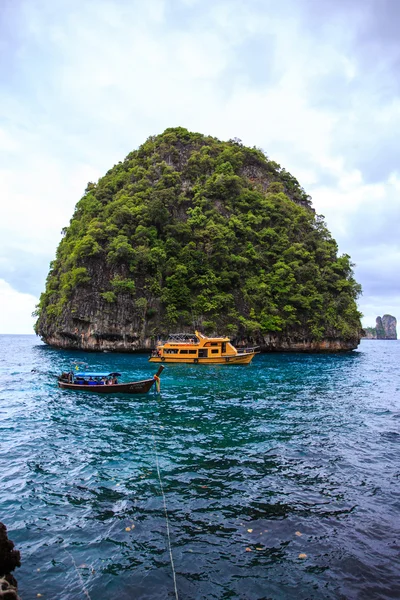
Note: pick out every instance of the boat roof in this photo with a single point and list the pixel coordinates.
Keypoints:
(190, 337)
(86, 374)
(201, 336)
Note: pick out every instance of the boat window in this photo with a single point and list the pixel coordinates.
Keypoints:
(214, 351)
(203, 353)
(183, 351)
(192, 351)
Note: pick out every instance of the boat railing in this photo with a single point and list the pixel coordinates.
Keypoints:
(186, 338)
(247, 350)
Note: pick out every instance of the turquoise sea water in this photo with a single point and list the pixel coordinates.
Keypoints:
(292, 455)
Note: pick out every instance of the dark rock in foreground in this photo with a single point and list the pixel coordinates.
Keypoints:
(9, 560)
(7, 590)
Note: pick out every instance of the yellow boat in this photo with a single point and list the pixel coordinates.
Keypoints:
(197, 348)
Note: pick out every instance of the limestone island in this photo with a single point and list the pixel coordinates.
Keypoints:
(193, 233)
(385, 329)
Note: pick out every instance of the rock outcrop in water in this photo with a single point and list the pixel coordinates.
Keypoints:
(9, 560)
(191, 232)
(385, 329)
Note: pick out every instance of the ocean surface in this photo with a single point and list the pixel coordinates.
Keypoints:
(277, 480)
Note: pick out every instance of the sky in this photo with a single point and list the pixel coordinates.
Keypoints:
(314, 83)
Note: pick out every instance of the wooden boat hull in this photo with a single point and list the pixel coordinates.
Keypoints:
(238, 359)
(132, 387)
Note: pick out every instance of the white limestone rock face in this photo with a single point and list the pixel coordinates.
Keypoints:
(389, 324)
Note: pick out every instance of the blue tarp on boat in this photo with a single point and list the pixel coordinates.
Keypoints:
(85, 375)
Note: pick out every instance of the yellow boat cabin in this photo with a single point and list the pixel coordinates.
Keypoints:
(197, 348)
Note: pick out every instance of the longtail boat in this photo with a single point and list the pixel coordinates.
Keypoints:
(198, 348)
(106, 383)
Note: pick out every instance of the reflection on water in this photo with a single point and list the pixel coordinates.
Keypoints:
(281, 478)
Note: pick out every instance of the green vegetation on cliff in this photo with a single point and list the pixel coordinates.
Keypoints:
(189, 230)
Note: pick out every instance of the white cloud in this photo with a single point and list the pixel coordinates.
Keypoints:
(16, 310)
(387, 306)
(7, 143)
(39, 200)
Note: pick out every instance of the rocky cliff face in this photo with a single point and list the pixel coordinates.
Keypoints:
(386, 328)
(99, 336)
(193, 233)
(94, 325)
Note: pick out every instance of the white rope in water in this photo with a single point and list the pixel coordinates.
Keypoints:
(166, 518)
(84, 589)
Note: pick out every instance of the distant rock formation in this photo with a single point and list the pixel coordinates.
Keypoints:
(369, 333)
(388, 330)
(385, 329)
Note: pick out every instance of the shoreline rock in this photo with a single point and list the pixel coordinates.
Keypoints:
(94, 342)
(9, 560)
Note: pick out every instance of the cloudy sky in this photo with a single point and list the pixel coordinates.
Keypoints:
(315, 83)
